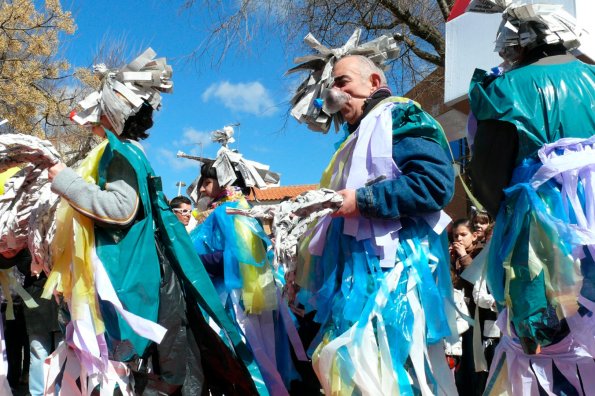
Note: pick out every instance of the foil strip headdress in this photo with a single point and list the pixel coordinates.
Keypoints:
(320, 65)
(530, 25)
(231, 168)
(123, 91)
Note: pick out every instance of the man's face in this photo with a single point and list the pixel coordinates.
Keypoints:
(348, 78)
(183, 213)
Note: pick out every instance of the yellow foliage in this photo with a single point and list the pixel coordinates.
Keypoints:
(30, 96)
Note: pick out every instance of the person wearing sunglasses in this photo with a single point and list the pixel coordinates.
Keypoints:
(182, 208)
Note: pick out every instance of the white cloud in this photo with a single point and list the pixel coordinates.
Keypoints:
(170, 158)
(261, 149)
(251, 97)
(194, 138)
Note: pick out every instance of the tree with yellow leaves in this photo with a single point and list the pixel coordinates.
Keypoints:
(35, 94)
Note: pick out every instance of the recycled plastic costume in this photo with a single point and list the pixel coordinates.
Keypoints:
(125, 264)
(238, 255)
(380, 281)
(26, 210)
(533, 163)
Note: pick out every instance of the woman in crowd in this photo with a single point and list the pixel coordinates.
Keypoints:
(480, 221)
(462, 251)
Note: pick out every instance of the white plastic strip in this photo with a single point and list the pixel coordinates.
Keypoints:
(141, 326)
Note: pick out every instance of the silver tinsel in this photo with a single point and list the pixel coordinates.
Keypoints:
(530, 25)
(291, 220)
(320, 66)
(27, 206)
(123, 91)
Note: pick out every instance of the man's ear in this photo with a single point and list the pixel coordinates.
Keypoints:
(375, 80)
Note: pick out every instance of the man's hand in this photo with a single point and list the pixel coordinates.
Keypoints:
(349, 207)
(55, 169)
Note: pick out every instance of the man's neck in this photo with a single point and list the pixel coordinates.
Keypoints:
(377, 96)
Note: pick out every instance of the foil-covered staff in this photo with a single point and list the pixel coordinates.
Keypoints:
(291, 220)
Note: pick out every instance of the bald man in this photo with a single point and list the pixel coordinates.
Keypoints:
(385, 245)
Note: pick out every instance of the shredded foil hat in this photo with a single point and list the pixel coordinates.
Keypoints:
(530, 25)
(123, 91)
(320, 65)
(230, 167)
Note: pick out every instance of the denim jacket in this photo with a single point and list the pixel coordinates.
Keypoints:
(427, 181)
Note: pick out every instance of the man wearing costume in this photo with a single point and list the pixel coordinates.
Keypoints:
(134, 287)
(533, 165)
(377, 272)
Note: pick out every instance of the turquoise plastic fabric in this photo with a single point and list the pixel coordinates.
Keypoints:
(545, 102)
(543, 213)
(218, 233)
(409, 120)
(182, 256)
(561, 107)
(348, 277)
(137, 285)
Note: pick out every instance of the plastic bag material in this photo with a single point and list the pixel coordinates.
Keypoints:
(137, 285)
(374, 321)
(249, 289)
(554, 201)
(196, 281)
(512, 97)
(247, 263)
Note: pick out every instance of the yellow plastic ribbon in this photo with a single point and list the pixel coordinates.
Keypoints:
(336, 166)
(7, 174)
(72, 270)
(259, 291)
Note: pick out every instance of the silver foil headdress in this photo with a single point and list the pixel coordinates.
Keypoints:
(530, 25)
(320, 66)
(123, 91)
(231, 167)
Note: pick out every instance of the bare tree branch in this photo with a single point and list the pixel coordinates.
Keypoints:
(420, 24)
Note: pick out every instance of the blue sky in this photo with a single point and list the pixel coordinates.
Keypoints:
(248, 87)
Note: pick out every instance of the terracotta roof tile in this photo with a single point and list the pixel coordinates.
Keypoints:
(279, 193)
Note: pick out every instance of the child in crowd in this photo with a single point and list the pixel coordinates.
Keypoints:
(480, 221)
(463, 249)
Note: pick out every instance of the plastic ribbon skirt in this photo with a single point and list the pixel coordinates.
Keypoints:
(250, 293)
(80, 275)
(382, 329)
(541, 268)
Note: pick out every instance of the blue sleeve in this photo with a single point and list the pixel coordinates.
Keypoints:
(426, 184)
